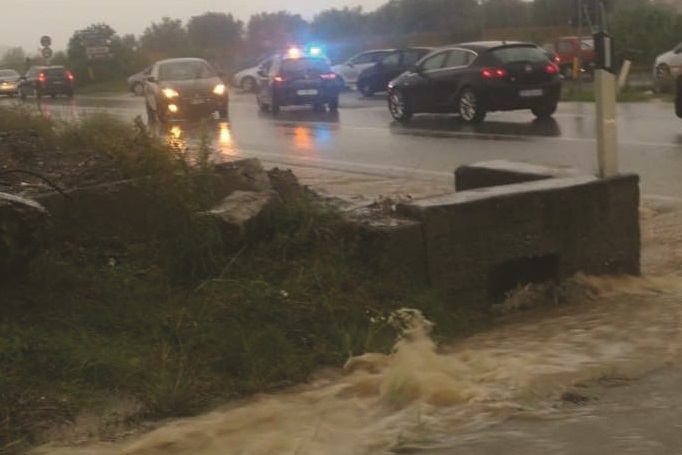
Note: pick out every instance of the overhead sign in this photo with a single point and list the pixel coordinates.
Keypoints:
(47, 53)
(97, 52)
(45, 41)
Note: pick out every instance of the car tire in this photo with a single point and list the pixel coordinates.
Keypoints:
(275, 107)
(365, 88)
(399, 106)
(264, 107)
(663, 79)
(333, 104)
(469, 106)
(544, 110)
(138, 89)
(248, 84)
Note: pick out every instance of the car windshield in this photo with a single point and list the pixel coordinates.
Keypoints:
(182, 71)
(514, 54)
(8, 73)
(297, 66)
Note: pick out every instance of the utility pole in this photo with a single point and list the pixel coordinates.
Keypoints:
(605, 94)
(580, 45)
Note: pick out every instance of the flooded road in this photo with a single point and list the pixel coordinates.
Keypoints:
(362, 137)
(598, 373)
(520, 379)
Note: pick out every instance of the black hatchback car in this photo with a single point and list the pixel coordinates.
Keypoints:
(375, 78)
(475, 78)
(46, 80)
(297, 79)
(184, 88)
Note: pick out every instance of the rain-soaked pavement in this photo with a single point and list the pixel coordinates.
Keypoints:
(362, 137)
(598, 375)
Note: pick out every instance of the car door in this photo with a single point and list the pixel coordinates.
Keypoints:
(421, 83)
(359, 63)
(448, 81)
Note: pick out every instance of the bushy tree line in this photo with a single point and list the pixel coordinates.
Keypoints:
(641, 29)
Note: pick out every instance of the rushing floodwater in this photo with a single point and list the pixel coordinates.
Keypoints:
(422, 396)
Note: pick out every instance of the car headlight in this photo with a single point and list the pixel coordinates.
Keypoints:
(170, 93)
(219, 89)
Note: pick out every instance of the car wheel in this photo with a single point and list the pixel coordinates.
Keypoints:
(138, 89)
(275, 107)
(264, 107)
(662, 79)
(365, 88)
(544, 110)
(399, 107)
(470, 108)
(333, 104)
(248, 84)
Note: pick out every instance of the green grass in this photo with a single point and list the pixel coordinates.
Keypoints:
(587, 94)
(180, 323)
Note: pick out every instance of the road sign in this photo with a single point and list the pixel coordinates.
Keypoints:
(97, 52)
(46, 53)
(46, 41)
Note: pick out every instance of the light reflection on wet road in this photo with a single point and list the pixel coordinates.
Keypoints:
(362, 137)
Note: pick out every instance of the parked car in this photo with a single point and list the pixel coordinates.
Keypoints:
(46, 80)
(568, 49)
(295, 79)
(184, 88)
(667, 67)
(349, 70)
(137, 80)
(247, 79)
(375, 78)
(475, 78)
(9, 82)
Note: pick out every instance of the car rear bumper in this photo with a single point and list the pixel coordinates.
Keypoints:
(502, 98)
(298, 98)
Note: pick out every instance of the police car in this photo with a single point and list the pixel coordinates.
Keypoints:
(298, 77)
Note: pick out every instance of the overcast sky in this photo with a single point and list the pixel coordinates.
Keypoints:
(23, 22)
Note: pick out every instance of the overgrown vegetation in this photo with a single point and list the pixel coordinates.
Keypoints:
(179, 324)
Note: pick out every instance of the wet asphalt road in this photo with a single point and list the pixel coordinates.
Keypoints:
(362, 137)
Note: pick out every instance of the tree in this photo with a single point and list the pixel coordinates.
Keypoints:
(267, 33)
(14, 58)
(336, 24)
(216, 37)
(165, 39)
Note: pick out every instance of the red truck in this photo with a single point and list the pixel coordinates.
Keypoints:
(568, 49)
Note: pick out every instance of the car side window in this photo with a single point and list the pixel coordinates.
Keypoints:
(391, 60)
(362, 59)
(411, 57)
(267, 66)
(457, 57)
(434, 62)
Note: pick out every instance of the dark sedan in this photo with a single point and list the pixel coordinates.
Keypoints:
(475, 78)
(184, 88)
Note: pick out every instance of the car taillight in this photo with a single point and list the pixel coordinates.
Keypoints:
(328, 76)
(41, 78)
(551, 69)
(557, 59)
(493, 73)
(278, 79)
(69, 76)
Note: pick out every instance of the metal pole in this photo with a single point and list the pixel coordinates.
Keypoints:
(580, 44)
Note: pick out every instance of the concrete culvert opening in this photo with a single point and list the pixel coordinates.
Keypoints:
(509, 275)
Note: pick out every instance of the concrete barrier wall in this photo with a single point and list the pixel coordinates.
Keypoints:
(479, 244)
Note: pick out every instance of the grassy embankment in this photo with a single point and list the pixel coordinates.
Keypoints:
(178, 324)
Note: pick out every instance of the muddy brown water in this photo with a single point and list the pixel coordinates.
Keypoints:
(533, 365)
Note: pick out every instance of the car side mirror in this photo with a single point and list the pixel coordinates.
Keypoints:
(151, 79)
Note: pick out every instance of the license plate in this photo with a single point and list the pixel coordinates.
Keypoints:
(530, 93)
(308, 92)
(197, 101)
